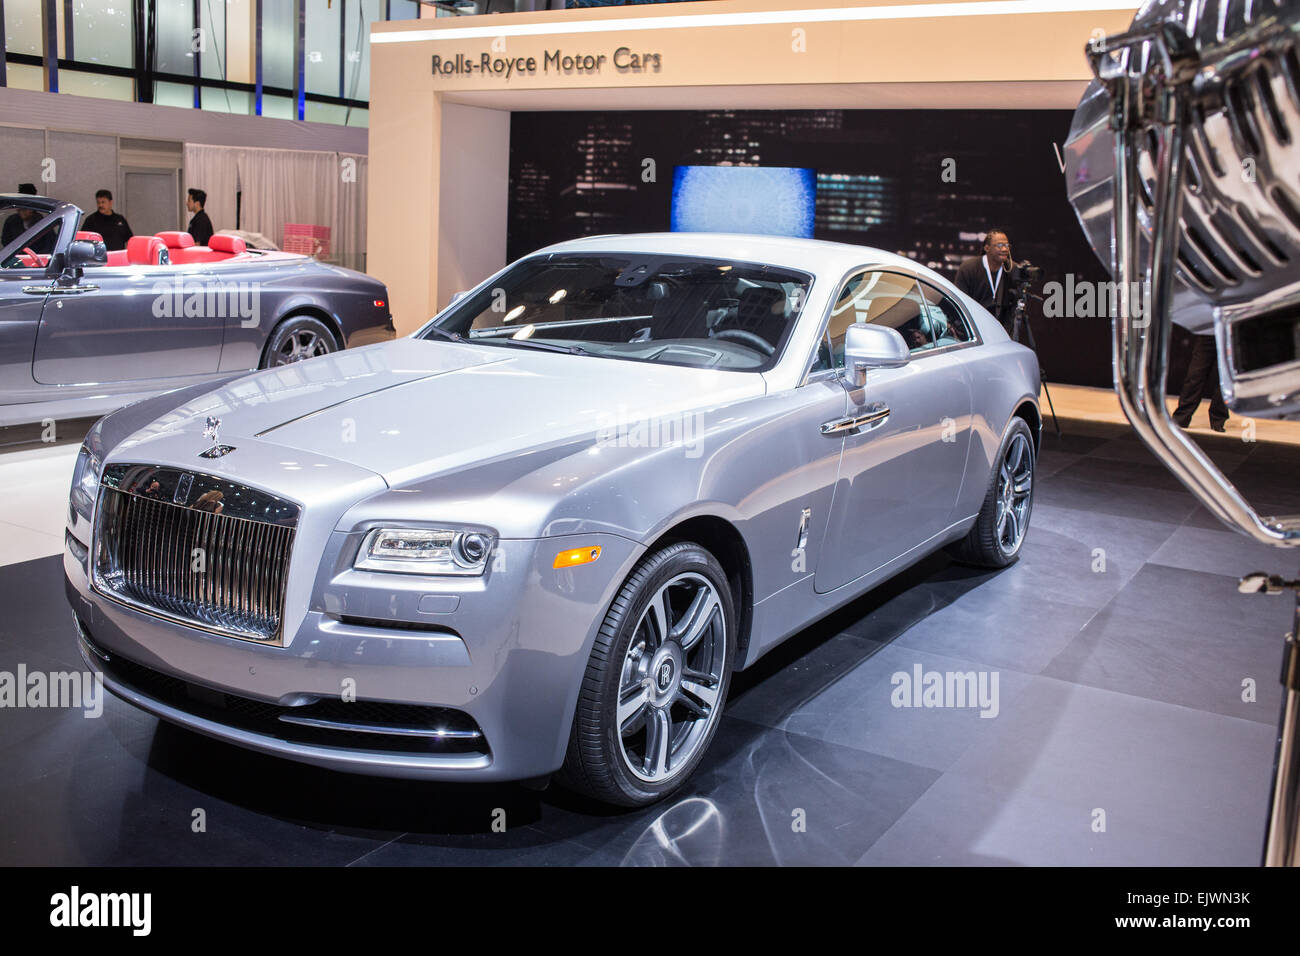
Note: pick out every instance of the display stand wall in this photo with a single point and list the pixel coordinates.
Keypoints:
(439, 144)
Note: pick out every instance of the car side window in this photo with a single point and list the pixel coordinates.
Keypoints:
(35, 252)
(885, 298)
(948, 324)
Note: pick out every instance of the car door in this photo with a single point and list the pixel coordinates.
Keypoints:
(901, 469)
(20, 314)
(127, 323)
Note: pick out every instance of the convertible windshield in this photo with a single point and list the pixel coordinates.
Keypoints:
(713, 313)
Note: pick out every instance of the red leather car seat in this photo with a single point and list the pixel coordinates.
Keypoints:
(176, 240)
(89, 237)
(146, 251)
(219, 248)
(231, 244)
(118, 257)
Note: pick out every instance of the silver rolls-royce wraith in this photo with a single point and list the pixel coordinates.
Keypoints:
(541, 533)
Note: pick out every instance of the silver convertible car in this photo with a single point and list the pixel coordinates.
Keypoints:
(84, 330)
(541, 533)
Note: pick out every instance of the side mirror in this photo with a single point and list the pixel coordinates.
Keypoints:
(66, 266)
(85, 252)
(869, 346)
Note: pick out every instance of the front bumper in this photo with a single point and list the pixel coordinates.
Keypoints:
(503, 654)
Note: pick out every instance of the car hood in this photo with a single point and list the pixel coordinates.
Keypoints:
(412, 408)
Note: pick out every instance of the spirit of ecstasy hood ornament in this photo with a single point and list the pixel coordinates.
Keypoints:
(210, 430)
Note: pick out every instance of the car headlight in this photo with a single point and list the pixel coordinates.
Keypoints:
(426, 551)
(85, 485)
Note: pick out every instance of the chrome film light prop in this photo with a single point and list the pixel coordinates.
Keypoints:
(1184, 169)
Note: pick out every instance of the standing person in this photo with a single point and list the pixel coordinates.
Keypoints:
(1202, 376)
(985, 278)
(111, 225)
(20, 221)
(200, 226)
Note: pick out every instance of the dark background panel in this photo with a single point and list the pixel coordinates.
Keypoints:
(880, 182)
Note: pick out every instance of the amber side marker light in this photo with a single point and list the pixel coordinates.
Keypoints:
(575, 556)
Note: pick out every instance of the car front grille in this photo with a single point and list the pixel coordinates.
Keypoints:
(195, 548)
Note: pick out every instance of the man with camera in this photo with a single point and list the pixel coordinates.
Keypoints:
(986, 278)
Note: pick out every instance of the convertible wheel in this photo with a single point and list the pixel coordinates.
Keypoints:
(656, 681)
(999, 531)
(297, 340)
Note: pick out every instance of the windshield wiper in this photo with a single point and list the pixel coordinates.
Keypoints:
(449, 336)
(531, 344)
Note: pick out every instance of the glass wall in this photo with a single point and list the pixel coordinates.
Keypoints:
(279, 18)
(241, 56)
(322, 38)
(356, 47)
(176, 38)
(102, 32)
(23, 27)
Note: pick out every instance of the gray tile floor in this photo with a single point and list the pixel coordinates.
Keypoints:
(1121, 734)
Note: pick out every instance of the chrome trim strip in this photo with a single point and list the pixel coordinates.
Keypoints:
(389, 730)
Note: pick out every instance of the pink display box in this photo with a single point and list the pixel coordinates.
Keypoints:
(306, 239)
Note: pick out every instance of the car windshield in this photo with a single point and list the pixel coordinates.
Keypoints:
(711, 313)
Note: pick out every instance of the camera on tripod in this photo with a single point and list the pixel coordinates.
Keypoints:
(1023, 275)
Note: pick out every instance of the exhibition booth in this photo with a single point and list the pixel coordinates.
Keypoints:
(443, 91)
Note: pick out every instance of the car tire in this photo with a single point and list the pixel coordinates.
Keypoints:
(679, 676)
(296, 339)
(999, 532)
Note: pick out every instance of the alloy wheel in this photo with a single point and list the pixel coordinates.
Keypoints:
(300, 346)
(670, 678)
(1015, 493)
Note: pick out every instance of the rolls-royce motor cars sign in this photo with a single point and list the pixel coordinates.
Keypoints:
(622, 60)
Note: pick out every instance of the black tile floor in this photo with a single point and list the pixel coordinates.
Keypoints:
(1119, 641)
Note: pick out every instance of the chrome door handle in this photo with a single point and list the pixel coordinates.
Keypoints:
(873, 417)
(59, 289)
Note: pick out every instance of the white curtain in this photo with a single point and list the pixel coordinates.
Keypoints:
(215, 170)
(280, 186)
(287, 185)
(350, 226)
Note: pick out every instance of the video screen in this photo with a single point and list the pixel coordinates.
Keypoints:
(768, 200)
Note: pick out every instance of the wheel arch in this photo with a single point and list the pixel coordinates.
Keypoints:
(1028, 410)
(724, 541)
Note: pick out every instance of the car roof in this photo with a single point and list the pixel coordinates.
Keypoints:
(817, 256)
(8, 200)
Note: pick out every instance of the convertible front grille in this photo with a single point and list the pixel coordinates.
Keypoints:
(196, 549)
